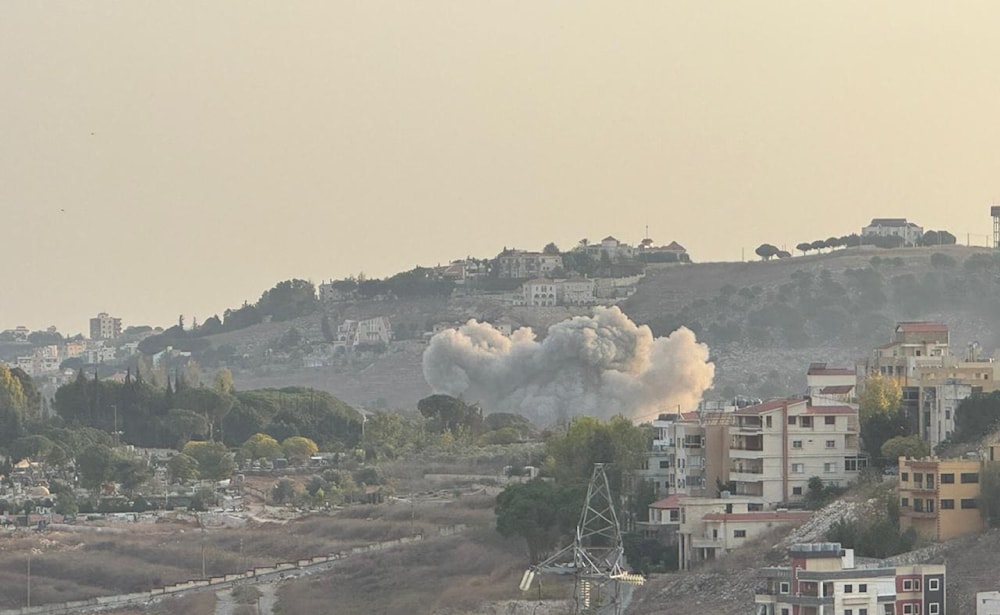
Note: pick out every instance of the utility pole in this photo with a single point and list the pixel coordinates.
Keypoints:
(29, 577)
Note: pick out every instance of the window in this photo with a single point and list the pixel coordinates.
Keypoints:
(905, 503)
(807, 421)
(767, 420)
(739, 533)
(862, 611)
(829, 467)
(947, 504)
(848, 612)
(798, 468)
(918, 477)
(783, 588)
(863, 587)
(934, 608)
(907, 585)
(784, 611)
(930, 481)
(831, 444)
(796, 490)
(908, 609)
(791, 420)
(848, 589)
(970, 477)
(905, 476)
(796, 443)
(969, 503)
(930, 506)
(830, 420)
(664, 464)
(933, 585)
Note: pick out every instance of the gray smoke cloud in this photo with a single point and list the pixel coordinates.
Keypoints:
(600, 365)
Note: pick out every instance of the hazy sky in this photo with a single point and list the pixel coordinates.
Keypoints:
(159, 158)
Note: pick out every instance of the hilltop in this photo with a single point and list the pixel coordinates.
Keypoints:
(764, 320)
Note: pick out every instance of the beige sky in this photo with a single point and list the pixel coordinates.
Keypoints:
(203, 151)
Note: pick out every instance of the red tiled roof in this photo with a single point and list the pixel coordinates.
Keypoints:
(768, 406)
(922, 327)
(838, 389)
(671, 501)
(689, 416)
(830, 410)
(760, 516)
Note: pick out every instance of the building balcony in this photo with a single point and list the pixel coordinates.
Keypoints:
(705, 542)
(914, 514)
(746, 477)
(745, 453)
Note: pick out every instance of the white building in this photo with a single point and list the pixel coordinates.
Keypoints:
(353, 333)
(578, 291)
(541, 292)
(988, 603)
(898, 227)
(831, 385)
(777, 446)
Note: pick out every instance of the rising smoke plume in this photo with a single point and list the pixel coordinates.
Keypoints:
(600, 365)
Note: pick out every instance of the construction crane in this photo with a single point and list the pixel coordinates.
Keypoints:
(596, 557)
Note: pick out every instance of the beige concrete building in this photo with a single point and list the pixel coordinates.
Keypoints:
(705, 529)
(938, 497)
(777, 446)
(105, 327)
(688, 454)
(933, 380)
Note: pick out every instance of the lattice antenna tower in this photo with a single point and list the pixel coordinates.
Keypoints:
(596, 557)
(995, 212)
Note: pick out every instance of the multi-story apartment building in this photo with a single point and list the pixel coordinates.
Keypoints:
(939, 497)
(823, 580)
(777, 446)
(688, 453)
(910, 232)
(521, 264)
(704, 529)
(933, 381)
(105, 327)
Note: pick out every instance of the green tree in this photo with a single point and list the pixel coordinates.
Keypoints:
(283, 491)
(13, 405)
(905, 446)
(224, 381)
(989, 493)
(183, 424)
(880, 415)
(447, 413)
(298, 449)
(130, 472)
(287, 300)
(804, 247)
(977, 415)
(182, 468)
(35, 447)
(550, 248)
(94, 466)
(215, 462)
(766, 251)
(540, 512)
(261, 446)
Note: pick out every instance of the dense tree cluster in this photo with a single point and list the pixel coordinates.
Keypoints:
(544, 513)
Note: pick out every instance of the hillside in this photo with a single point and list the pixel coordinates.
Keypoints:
(764, 321)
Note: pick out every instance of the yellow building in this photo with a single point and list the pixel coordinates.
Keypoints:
(938, 497)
